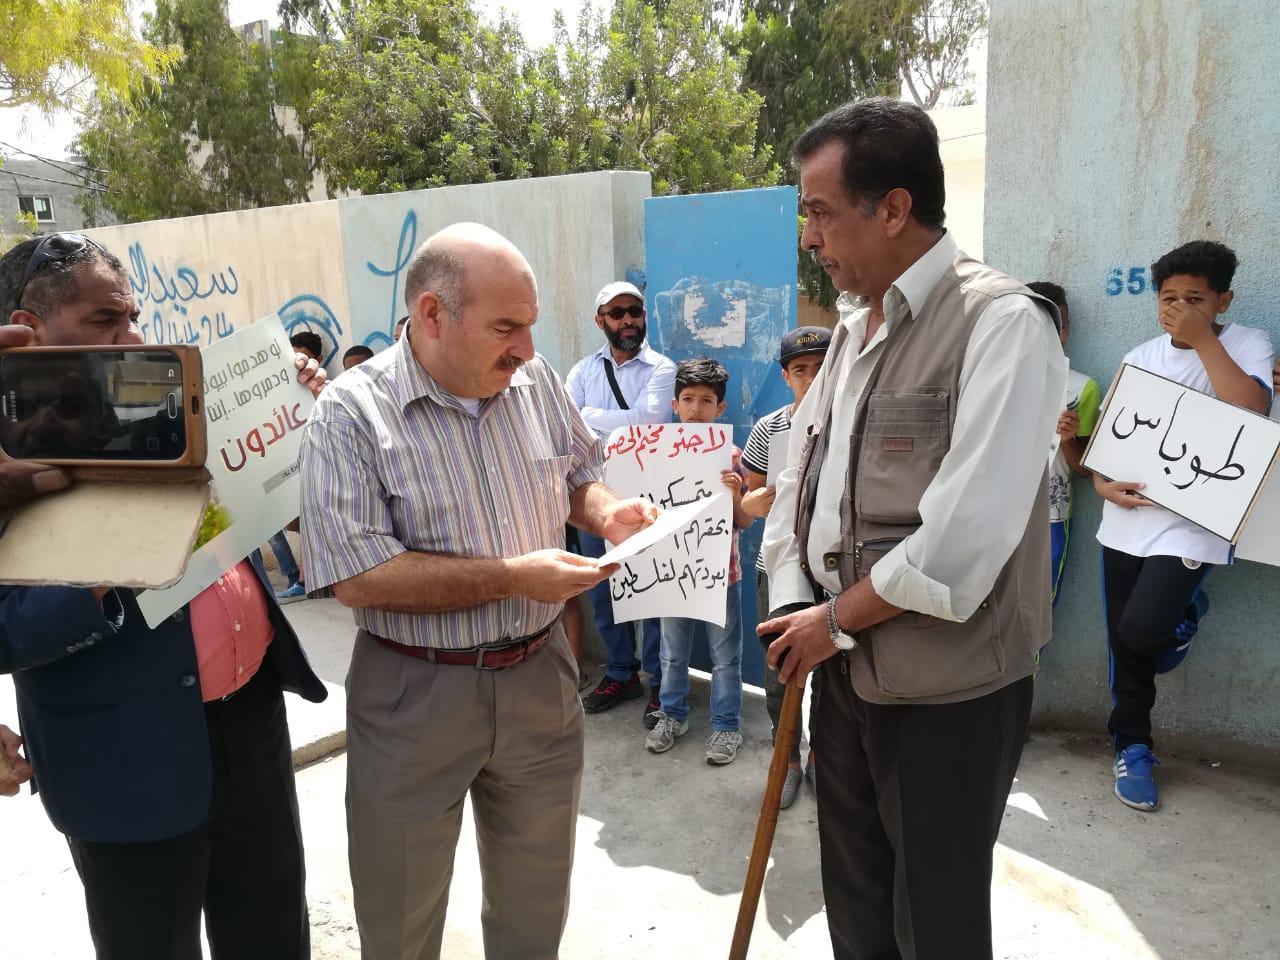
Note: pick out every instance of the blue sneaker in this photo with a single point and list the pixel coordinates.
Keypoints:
(296, 591)
(1134, 784)
(1185, 632)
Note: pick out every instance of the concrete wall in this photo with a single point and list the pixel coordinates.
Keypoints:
(336, 267)
(1116, 131)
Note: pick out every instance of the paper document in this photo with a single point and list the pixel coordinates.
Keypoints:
(668, 524)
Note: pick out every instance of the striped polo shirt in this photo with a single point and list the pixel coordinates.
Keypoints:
(393, 462)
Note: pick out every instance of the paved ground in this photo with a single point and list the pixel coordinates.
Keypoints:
(663, 843)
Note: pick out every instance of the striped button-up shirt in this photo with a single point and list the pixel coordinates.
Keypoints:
(393, 462)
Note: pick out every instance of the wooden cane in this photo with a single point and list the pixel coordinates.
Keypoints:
(768, 822)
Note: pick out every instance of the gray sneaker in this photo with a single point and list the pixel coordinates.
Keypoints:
(722, 746)
(663, 735)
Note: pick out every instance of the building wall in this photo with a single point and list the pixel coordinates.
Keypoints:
(1117, 130)
(58, 180)
(336, 267)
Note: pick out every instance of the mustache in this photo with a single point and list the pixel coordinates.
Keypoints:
(626, 341)
(510, 363)
(821, 260)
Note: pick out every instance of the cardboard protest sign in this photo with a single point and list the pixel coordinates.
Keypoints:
(675, 465)
(256, 410)
(1202, 458)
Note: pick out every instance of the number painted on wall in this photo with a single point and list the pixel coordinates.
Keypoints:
(1127, 280)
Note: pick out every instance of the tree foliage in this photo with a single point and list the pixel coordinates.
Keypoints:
(801, 69)
(52, 52)
(930, 40)
(423, 93)
(214, 136)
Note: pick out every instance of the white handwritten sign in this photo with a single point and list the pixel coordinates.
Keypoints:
(674, 465)
(255, 410)
(1200, 457)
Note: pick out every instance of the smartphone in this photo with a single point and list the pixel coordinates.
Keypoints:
(103, 406)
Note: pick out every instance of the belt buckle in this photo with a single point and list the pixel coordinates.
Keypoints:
(501, 645)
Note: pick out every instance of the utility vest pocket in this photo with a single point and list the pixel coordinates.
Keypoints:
(906, 435)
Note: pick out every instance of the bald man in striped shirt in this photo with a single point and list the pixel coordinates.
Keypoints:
(437, 480)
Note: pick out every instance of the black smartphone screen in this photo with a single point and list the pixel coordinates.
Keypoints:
(109, 405)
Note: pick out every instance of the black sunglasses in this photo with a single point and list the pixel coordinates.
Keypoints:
(617, 313)
(53, 249)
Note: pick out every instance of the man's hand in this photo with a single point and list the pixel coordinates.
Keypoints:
(1068, 424)
(805, 641)
(758, 502)
(14, 769)
(1123, 493)
(553, 576)
(21, 480)
(1186, 323)
(1275, 376)
(310, 374)
(626, 518)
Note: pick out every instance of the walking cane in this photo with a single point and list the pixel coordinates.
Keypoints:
(768, 822)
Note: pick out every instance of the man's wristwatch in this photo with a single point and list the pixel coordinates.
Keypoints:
(842, 640)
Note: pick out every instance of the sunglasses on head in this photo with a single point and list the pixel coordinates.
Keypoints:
(53, 249)
(617, 313)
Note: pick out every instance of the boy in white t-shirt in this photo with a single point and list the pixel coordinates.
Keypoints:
(1075, 427)
(1153, 561)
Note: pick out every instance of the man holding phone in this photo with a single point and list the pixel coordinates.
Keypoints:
(162, 754)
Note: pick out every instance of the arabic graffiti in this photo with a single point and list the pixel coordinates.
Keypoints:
(1229, 471)
(308, 311)
(404, 252)
(181, 305)
(285, 422)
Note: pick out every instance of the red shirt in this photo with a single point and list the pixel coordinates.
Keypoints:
(231, 630)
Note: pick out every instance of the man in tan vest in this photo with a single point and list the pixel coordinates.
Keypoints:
(908, 548)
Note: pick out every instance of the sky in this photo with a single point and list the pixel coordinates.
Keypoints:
(27, 131)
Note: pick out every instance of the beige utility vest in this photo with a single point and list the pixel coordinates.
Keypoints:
(902, 430)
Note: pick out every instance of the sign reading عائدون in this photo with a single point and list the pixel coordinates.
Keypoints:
(255, 410)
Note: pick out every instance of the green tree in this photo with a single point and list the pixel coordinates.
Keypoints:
(801, 69)
(930, 40)
(53, 51)
(422, 93)
(215, 136)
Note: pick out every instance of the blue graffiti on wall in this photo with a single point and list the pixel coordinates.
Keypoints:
(310, 312)
(404, 252)
(181, 306)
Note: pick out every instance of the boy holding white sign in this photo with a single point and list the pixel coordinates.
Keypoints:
(699, 398)
(1153, 561)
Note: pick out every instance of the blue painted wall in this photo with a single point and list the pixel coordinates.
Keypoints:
(1115, 132)
(722, 282)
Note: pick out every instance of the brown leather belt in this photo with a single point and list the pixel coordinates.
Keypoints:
(482, 658)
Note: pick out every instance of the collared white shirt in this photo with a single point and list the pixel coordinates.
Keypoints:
(977, 507)
(647, 381)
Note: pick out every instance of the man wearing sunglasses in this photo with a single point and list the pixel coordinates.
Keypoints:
(624, 383)
(162, 754)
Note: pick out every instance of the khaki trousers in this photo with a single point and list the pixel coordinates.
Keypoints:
(420, 737)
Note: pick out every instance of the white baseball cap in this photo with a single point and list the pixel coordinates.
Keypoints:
(617, 289)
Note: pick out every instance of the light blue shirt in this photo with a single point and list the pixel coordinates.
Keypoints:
(647, 381)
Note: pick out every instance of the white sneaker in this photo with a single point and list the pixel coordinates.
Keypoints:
(722, 746)
(663, 735)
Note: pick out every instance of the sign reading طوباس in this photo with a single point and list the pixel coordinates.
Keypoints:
(1202, 458)
(255, 409)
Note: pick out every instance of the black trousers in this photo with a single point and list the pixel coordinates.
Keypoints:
(910, 807)
(775, 688)
(1145, 598)
(243, 865)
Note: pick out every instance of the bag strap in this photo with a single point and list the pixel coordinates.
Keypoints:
(613, 383)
